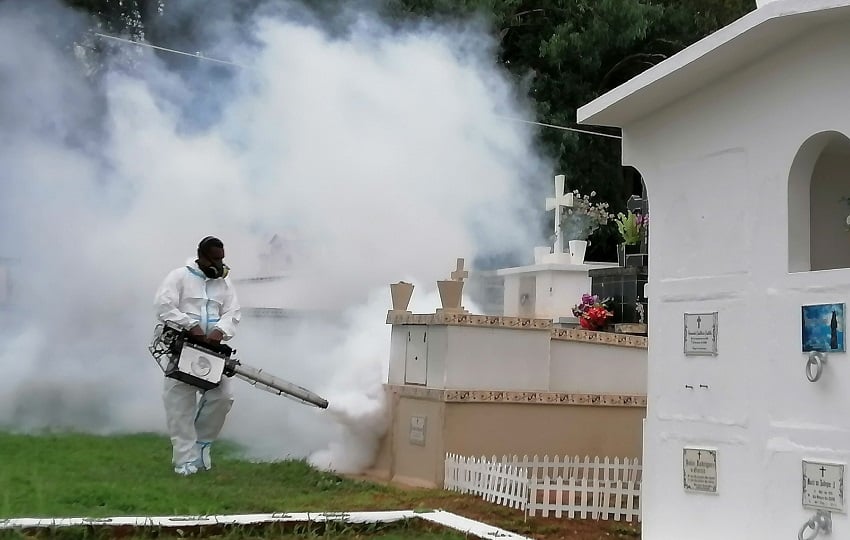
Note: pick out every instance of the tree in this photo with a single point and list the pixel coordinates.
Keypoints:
(124, 17)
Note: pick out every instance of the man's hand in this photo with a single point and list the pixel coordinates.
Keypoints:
(216, 336)
(196, 331)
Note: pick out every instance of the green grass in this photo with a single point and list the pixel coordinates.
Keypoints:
(394, 531)
(73, 475)
(82, 475)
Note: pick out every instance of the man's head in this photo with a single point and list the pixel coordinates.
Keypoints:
(211, 258)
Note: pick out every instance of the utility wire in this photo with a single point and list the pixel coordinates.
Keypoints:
(200, 56)
(561, 127)
(174, 51)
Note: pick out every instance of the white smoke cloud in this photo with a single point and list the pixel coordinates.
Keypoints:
(380, 150)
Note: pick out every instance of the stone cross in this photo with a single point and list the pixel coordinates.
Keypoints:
(637, 204)
(555, 203)
(459, 272)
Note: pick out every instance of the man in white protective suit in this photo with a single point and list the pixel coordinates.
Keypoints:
(198, 297)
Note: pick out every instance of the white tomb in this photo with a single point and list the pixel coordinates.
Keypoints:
(549, 288)
(742, 140)
(546, 290)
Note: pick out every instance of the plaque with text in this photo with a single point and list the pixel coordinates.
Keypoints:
(701, 334)
(417, 430)
(823, 486)
(700, 470)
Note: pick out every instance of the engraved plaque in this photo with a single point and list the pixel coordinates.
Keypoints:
(701, 334)
(823, 486)
(699, 470)
(417, 430)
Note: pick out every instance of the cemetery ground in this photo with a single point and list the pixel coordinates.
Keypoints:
(74, 475)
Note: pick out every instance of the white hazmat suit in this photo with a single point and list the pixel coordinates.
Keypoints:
(187, 297)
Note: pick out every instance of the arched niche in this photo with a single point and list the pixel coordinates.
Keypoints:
(633, 182)
(818, 182)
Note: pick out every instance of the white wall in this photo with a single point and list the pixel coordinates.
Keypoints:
(830, 241)
(398, 347)
(481, 358)
(5, 285)
(558, 292)
(716, 165)
(553, 289)
(496, 358)
(589, 368)
(475, 358)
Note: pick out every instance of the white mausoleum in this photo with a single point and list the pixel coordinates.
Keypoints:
(742, 140)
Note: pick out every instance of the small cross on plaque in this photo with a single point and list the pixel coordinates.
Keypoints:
(459, 274)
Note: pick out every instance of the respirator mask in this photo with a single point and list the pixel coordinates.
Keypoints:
(212, 270)
(215, 271)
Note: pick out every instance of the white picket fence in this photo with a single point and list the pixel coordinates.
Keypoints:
(565, 487)
(497, 482)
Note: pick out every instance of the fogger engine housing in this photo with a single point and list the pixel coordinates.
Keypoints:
(203, 364)
(191, 361)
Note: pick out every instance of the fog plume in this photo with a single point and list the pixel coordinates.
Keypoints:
(330, 164)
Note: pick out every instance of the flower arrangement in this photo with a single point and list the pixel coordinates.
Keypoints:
(582, 219)
(631, 226)
(592, 313)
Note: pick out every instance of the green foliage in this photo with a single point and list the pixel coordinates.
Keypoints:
(126, 17)
(630, 226)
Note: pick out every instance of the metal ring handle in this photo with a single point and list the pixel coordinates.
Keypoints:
(817, 360)
(820, 522)
(815, 527)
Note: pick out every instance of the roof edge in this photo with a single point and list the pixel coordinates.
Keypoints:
(592, 113)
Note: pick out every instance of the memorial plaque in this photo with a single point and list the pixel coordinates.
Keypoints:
(701, 334)
(823, 486)
(699, 470)
(417, 430)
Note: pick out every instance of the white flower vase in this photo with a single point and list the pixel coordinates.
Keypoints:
(577, 251)
(451, 294)
(401, 293)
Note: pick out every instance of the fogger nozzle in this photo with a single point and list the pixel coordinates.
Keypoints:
(202, 364)
(268, 382)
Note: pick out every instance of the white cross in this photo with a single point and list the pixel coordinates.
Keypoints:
(459, 272)
(555, 203)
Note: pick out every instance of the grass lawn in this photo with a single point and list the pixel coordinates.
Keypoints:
(72, 475)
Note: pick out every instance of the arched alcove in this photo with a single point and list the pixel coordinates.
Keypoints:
(818, 182)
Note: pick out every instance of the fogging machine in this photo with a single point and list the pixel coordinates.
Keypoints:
(202, 364)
